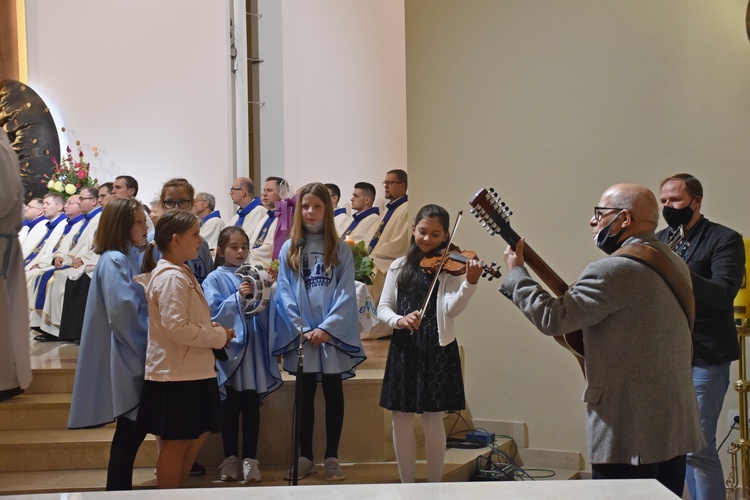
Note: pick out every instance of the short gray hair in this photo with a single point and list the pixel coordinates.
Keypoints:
(211, 199)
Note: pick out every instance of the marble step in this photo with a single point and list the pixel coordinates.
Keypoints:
(52, 381)
(31, 411)
(54, 449)
(459, 466)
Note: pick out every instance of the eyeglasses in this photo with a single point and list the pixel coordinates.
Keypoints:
(177, 203)
(87, 197)
(390, 183)
(600, 211)
(235, 189)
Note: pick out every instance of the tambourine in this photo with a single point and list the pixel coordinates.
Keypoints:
(261, 283)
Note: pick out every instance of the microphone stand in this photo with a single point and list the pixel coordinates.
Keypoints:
(297, 419)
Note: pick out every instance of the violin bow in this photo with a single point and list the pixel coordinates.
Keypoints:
(442, 263)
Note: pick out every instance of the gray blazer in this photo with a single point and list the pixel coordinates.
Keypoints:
(641, 403)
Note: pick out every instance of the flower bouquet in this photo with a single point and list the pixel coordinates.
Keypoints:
(69, 177)
(363, 264)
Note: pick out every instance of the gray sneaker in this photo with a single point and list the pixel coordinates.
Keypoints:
(228, 469)
(305, 468)
(250, 470)
(334, 472)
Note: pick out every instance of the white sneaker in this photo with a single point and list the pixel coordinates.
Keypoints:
(334, 472)
(228, 469)
(305, 468)
(250, 470)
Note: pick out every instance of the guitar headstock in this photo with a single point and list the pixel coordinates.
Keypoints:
(494, 215)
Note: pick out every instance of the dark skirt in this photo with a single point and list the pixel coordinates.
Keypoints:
(420, 375)
(180, 410)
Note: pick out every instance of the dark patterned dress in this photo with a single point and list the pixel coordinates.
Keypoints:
(420, 375)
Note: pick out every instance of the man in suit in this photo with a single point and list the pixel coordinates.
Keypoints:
(716, 257)
(642, 414)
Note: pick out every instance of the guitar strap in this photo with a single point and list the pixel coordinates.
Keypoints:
(656, 260)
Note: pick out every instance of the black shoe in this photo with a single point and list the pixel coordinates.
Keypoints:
(197, 469)
(46, 337)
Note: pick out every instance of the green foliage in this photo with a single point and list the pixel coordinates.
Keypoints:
(363, 264)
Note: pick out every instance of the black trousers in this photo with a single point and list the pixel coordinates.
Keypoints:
(334, 397)
(247, 405)
(670, 473)
(125, 444)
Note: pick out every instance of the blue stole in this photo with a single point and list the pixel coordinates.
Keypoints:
(51, 225)
(36, 221)
(264, 230)
(358, 218)
(391, 207)
(41, 286)
(213, 215)
(68, 226)
(339, 211)
(242, 212)
(86, 221)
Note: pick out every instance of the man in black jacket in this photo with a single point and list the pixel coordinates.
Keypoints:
(715, 255)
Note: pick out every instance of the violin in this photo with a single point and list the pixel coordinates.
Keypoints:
(455, 262)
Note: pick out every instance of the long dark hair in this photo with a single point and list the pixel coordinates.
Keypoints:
(410, 271)
(174, 221)
(115, 223)
(223, 241)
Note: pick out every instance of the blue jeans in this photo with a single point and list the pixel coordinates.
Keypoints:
(705, 479)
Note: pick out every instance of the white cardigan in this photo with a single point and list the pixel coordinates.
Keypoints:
(453, 296)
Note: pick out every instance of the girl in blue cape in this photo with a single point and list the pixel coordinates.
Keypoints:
(112, 356)
(316, 304)
(250, 373)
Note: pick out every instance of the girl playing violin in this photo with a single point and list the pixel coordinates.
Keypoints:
(423, 370)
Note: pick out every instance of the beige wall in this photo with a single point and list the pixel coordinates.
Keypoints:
(551, 102)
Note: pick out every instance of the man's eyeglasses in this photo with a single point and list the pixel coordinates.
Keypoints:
(599, 212)
(390, 183)
(235, 189)
(88, 197)
(177, 203)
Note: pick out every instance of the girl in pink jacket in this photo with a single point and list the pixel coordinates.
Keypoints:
(180, 399)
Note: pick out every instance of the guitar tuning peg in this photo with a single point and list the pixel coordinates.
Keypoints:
(510, 213)
(484, 224)
(472, 211)
(490, 278)
(502, 204)
(492, 190)
(492, 233)
(493, 264)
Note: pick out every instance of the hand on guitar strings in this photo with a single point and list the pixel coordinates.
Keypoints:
(409, 322)
(514, 258)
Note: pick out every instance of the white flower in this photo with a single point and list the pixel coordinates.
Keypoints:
(70, 189)
(50, 184)
(58, 186)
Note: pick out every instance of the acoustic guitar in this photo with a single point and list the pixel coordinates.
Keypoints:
(494, 216)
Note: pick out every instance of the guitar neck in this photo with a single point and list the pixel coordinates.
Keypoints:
(545, 273)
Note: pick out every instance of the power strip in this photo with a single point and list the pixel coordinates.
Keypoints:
(480, 437)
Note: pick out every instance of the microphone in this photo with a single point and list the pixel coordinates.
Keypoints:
(300, 243)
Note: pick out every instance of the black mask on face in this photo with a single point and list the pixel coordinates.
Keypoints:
(677, 217)
(608, 243)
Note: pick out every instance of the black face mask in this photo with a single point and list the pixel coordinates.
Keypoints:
(608, 243)
(677, 217)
